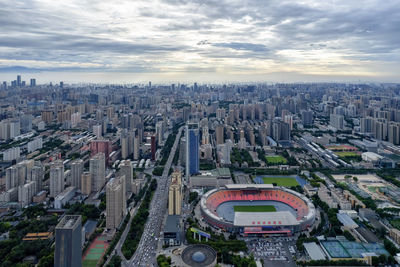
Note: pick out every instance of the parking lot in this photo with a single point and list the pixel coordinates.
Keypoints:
(276, 251)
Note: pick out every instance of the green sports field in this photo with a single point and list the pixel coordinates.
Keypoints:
(267, 208)
(281, 181)
(275, 160)
(347, 154)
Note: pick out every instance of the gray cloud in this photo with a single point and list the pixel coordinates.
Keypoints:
(151, 36)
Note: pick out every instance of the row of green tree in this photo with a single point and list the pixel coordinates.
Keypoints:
(138, 222)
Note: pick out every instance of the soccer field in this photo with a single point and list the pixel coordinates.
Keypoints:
(281, 181)
(347, 154)
(276, 159)
(267, 208)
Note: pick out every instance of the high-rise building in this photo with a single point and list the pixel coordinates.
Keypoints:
(136, 146)
(153, 147)
(57, 181)
(76, 172)
(97, 169)
(19, 80)
(11, 177)
(337, 121)
(86, 183)
(26, 123)
(124, 146)
(26, 193)
(192, 149)
(33, 82)
(219, 134)
(97, 130)
(116, 202)
(160, 131)
(38, 175)
(175, 194)
(101, 146)
(75, 119)
(68, 249)
(307, 117)
(205, 136)
(126, 169)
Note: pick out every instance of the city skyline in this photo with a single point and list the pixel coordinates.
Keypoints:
(207, 41)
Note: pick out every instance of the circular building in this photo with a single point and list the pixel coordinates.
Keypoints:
(199, 256)
(260, 209)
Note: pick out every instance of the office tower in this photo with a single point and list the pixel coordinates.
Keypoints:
(18, 80)
(97, 168)
(61, 84)
(182, 151)
(26, 123)
(153, 147)
(33, 83)
(192, 149)
(86, 183)
(76, 172)
(26, 193)
(136, 146)
(57, 182)
(337, 121)
(116, 202)
(126, 169)
(68, 248)
(5, 85)
(38, 175)
(175, 194)
(160, 131)
(307, 117)
(101, 146)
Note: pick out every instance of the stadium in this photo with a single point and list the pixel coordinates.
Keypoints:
(257, 209)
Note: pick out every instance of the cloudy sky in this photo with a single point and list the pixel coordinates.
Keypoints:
(201, 40)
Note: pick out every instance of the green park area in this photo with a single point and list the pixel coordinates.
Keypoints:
(281, 181)
(275, 160)
(266, 208)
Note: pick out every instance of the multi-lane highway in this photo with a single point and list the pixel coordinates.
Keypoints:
(145, 254)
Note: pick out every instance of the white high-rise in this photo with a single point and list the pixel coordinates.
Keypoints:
(76, 172)
(57, 181)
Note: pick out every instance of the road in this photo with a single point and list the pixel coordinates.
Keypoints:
(118, 246)
(145, 254)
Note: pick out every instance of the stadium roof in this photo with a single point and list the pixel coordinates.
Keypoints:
(346, 220)
(314, 251)
(249, 186)
(264, 218)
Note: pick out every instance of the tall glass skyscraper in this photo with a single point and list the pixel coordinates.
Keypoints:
(192, 149)
(68, 251)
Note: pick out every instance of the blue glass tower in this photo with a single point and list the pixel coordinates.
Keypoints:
(192, 149)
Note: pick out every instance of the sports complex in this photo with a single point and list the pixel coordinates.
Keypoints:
(257, 209)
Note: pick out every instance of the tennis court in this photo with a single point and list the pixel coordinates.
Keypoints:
(95, 252)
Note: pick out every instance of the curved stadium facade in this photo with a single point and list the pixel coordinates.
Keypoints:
(294, 212)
